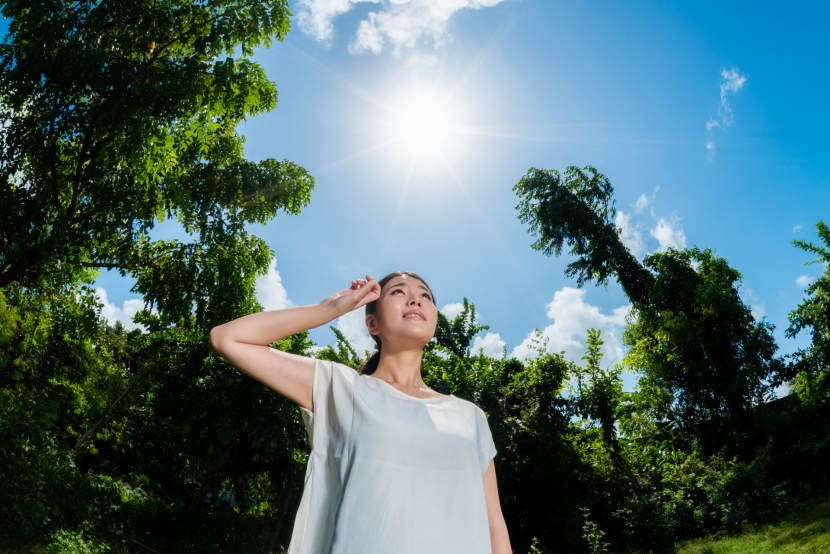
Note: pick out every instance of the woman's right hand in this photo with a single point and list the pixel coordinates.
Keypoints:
(360, 293)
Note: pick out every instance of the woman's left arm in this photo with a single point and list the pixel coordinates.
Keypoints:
(498, 529)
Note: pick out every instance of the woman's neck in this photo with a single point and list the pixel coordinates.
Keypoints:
(401, 367)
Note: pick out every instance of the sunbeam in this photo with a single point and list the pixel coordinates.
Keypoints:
(486, 220)
(352, 157)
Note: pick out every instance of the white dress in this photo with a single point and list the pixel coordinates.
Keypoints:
(389, 473)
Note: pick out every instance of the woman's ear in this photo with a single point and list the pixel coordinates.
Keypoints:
(371, 324)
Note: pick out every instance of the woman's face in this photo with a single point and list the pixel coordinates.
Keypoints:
(406, 314)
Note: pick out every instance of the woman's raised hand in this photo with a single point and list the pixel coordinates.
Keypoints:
(359, 294)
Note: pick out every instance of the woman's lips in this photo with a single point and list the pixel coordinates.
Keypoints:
(413, 314)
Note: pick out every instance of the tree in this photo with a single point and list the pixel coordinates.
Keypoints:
(60, 369)
(813, 313)
(457, 336)
(599, 395)
(692, 336)
(117, 115)
(700, 342)
(579, 211)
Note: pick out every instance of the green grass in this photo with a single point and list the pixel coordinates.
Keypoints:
(806, 529)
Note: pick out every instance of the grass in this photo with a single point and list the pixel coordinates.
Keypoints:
(806, 529)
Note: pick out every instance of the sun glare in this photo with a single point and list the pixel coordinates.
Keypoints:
(423, 126)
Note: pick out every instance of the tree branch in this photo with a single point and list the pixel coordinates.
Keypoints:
(53, 169)
(223, 460)
(82, 157)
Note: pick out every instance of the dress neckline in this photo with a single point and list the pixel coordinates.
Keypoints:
(393, 390)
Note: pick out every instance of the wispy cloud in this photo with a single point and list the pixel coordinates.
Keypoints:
(797, 227)
(630, 233)
(669, 233)
(644, 200)
(803, 281)
(755, 304)
(733, 81)
(399, 23)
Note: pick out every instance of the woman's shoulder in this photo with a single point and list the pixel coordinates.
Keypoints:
(471, 408)
(336, 370)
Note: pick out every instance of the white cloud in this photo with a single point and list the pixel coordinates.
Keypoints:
(572, 317)
(733, 81)
(797, 227)
(755, 304)
(669, 233)
(401, 23)
(803, 281)
(492, 345)
(630, 234)
(644, 200)
(315, 16)
(270, 291)
(452, 310)
(124, 314)
(353, 326)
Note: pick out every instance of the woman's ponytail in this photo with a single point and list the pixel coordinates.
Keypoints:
(371, 365)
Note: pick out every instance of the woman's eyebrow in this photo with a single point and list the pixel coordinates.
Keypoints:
(426, 288)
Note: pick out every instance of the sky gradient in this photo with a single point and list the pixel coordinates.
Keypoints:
(416, 120)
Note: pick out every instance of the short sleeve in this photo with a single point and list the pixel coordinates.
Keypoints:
(486, 446)
(332, 404)
(328, 425)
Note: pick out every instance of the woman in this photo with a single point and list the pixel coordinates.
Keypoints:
(395, 467)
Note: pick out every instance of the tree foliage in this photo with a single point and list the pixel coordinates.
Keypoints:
(578, 210)
(698, 348)
(700, 352)
(119, 115)
(813, 314)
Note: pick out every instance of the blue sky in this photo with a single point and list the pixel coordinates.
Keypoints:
(417, 118)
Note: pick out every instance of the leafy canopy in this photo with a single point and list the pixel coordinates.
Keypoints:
(122, 114)
(813, 313)
(697, 345)
(578, 210)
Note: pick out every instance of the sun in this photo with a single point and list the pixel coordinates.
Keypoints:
(423, 126)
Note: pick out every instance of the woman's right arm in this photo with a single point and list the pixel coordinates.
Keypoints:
(244, 342)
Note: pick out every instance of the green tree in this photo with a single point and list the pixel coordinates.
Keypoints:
(578, 210)
(60, 371)
(813, 363)
(118, 115)
(457, 336)
(694, 340)
(599, 392)
(699, 351)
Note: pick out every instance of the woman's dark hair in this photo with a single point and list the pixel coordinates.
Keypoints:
(370, 366)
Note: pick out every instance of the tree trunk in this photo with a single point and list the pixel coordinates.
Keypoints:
(223, 460)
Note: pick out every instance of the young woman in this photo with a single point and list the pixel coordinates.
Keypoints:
(395, 467)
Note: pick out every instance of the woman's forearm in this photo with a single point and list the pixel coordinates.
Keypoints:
(265, 328)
